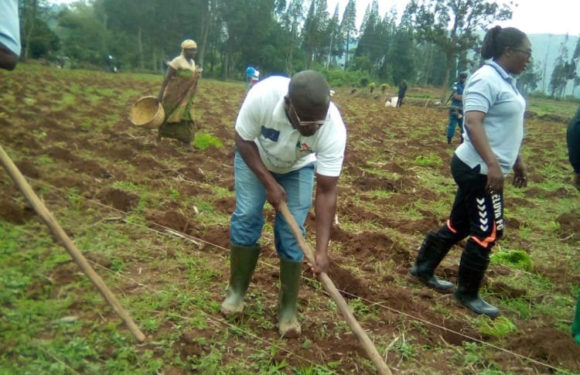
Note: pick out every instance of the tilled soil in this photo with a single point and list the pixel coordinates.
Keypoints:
(92, 146)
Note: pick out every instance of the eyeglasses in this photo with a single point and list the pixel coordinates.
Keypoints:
(526, 52)
(317, 123)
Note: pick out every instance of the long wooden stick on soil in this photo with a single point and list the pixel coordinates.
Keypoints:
(61, 236)
(329, 286)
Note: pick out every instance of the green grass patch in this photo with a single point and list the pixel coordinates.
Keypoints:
(430, 160)
(513, 258)
(204, 140)
(499, 327)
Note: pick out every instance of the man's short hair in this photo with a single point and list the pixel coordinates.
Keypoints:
(309, 88)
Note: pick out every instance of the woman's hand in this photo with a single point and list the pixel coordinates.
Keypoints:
(520, 174)
(494, 179)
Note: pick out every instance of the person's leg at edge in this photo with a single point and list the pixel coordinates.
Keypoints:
(573, 142)
(245, 230)
(451, 126)
(576, 323)
(436, 245)
(298, 186)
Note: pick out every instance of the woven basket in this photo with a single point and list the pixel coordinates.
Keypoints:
(147, 112)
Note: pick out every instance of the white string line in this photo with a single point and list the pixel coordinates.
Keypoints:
(171, 232)
(215, 321)
(384, 306)
(370, 302)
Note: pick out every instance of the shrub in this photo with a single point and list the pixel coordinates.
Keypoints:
(341, 78)
(364, 81)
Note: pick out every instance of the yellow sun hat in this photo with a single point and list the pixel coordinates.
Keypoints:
(188, 43)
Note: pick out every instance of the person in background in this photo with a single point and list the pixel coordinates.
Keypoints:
(402, 92)
(250, 70)
(456, 108)
(9, 34)
(111, 63)
(573, 141)
(177, 93)
(284, 129)
(255, 78)
(494, 128)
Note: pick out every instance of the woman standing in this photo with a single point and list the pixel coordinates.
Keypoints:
(176, 95)
(494, 127)
(401, 93)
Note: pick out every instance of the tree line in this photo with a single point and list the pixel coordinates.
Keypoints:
(428, 44)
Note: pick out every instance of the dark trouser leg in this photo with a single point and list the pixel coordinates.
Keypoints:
(436, 245)
(453, 120)
(486, 227)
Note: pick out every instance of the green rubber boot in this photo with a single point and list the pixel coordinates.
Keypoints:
(290, 272)
(243, 261)
(576, 323)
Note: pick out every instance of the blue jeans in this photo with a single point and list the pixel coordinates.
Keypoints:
(248, 218)
(454, 120)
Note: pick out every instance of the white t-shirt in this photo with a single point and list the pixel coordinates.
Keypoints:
(283, 149)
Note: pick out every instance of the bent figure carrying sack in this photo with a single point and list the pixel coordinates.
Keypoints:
(177, 93)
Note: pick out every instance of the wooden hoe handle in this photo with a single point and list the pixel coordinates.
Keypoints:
(61, 236)
(363, 338)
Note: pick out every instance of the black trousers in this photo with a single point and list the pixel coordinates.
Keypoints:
(475, 212)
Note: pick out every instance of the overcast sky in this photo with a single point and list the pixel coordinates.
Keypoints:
(531, 16)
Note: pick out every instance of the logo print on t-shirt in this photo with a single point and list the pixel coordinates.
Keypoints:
(303, 147)
(271, 134)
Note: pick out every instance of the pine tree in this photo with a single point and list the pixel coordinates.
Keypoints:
(348, 27)
(292, 18)
(335, 45)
